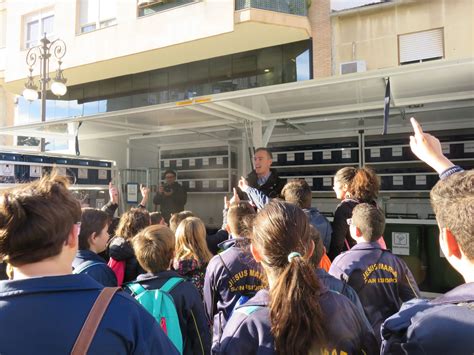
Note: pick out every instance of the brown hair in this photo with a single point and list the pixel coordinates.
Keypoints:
(453, 203)
(370, 220)
(176, 219)
(156, 217)
(298, 193)
(237, 218)
(296, 317)
(263, 149)
(92, 221)
(132, 222)
(154, 248)
(191, 241)
(362, 183)
(36, 219)
(318, 246)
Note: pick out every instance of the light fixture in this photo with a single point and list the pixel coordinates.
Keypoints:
(58, 87)
(31, 90)
(266, 70)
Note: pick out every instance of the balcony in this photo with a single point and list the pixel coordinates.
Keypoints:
(150, 7)
(292, 7)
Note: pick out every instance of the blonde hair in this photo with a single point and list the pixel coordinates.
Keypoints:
(191, 241)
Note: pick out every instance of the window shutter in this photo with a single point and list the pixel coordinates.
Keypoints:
(420, 46)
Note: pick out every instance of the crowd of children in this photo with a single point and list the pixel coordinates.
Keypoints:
(263, 284)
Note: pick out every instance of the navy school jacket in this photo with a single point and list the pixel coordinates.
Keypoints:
(444, 325)
(44, 315)
(229, 275)
(248, 330)
(382, 281)
(94, 266)
(189, 308)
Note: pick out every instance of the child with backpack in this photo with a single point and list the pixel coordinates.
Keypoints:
(192, 255)
(296, 315)
(233, 275)
(93, 239)
(381, 279)
(173, 301)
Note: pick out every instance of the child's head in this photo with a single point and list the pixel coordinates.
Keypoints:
(154, 248)
(367, 223)
(318, 247)
(359, 183)
(453, 203)
(132, 222)
(281, 242)
(191, 241)
(236, 218)
(37, 220)
(94, 230)
(298, 193)
(176, 219)
(157, 218)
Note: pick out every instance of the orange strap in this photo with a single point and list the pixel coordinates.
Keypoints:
(84, 340)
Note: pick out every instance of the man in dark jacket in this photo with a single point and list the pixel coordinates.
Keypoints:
(171, 196)
(263, 177)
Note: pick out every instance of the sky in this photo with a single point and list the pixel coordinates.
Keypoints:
(345, 4)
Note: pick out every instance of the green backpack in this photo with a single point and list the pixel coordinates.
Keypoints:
(160, 304)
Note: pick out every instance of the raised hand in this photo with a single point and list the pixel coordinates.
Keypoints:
(243, 184)
(113, 193)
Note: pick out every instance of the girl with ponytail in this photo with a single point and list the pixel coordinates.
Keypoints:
(296, 315)
(352, 186)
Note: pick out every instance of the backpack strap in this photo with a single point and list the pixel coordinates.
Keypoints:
(85, 265)
(93, 319)
(171, 284)
(136, 288)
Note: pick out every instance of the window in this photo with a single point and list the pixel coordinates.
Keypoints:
(36, 25)
(95, 14)
(421, 46)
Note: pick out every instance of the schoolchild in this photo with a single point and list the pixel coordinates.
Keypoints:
(120, 248)
(192, 255)
(296, 315)
(44, 307)
(332, 283)
(154, 247)
(233, 273)
(157, 218)
(352, 186)
(177, 218)
(93, 240)
(299, 193)
(381, 279)
(444, 325)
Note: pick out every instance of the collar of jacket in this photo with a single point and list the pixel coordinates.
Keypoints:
(461, 294)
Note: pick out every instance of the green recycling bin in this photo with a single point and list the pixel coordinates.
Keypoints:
(441, 275)
(404, 240)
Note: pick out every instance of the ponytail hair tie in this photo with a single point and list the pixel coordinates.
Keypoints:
(292, 255)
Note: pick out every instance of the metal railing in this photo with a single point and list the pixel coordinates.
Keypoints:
(294, 7)
(150, 7)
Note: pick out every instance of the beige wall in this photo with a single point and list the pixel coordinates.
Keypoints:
(373, 31)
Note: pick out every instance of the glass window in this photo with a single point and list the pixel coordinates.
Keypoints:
(95, 14)
(36, 25)
(269, 66)
(296, 62)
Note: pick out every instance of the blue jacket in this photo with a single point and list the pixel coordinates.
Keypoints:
(192, 318)
(89, 263)
(316, 219)
(248, 331)
(444, 325)
(382, 280)
(341, 287)
(229, 275)
(44, 315)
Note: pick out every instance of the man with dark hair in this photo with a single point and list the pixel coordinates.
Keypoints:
(444, 325)
(382, 280)
(171, 196)
(263, 177)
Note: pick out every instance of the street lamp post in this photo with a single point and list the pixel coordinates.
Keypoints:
(44, 51)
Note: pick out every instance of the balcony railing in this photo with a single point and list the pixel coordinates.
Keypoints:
(149, 7)
(294, 7)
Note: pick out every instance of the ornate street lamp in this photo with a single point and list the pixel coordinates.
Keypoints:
(44, 51)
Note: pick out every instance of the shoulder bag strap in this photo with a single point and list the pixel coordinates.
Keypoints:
(92, 322)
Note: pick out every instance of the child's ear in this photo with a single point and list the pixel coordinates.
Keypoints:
(358, 232)
(92, 237)
(256, 255)
(227, 228)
